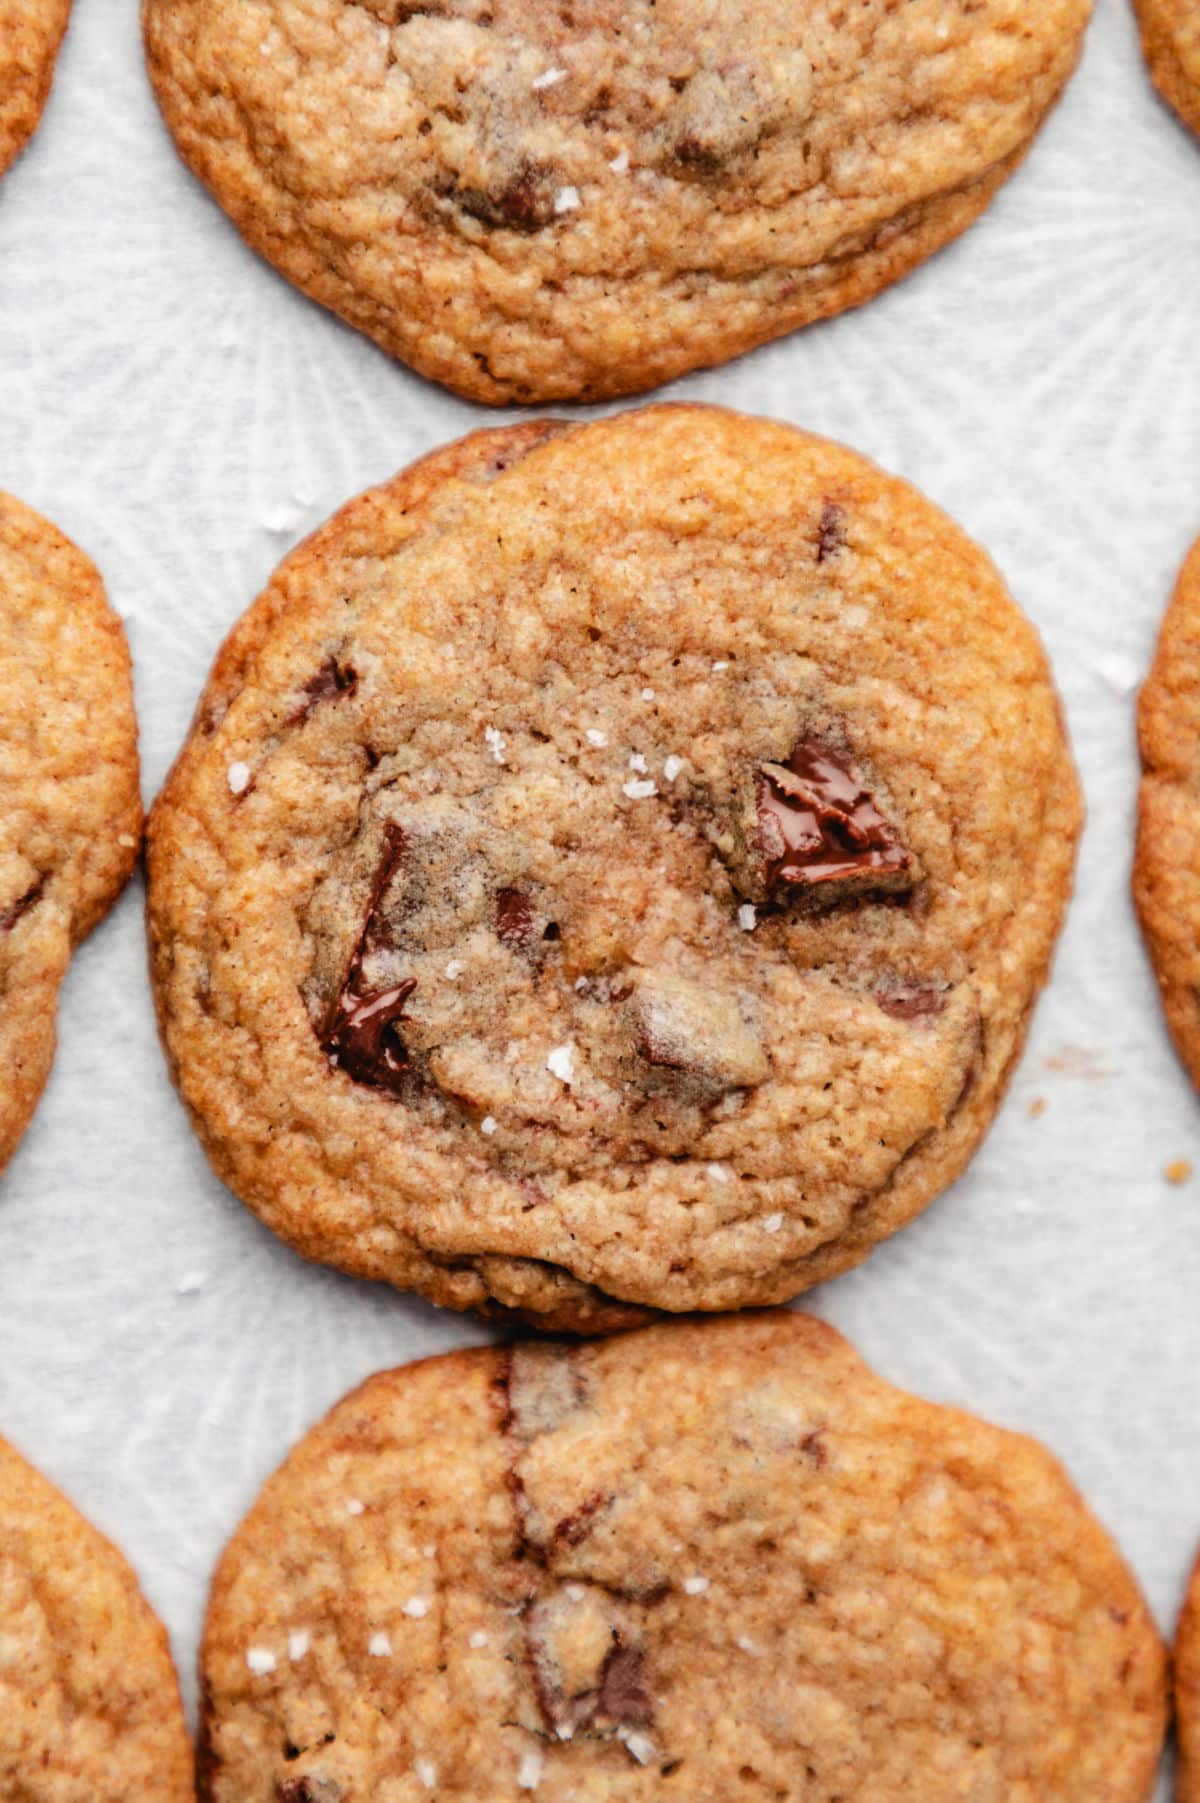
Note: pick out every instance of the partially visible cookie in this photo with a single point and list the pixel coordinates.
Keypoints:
(89, 1703)
(70, 811)
(30, 34)
(718, 1562)
(1187, 1694)
(1171, 39)
(1166, 873)
(612, 867)
(535, 202)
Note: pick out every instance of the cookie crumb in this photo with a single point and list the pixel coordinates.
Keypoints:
(1179, 1172)
(298, 1644)
(639, 791)
(747, 917)
(567, 200)
(695, 1586)
(380, 1646)
(238, 778)
(561, 1063)
(260, 1661)
(126, 841)
(426, 1771)
(529, 1773)
(1038, 1107)
(190, 1285)
(417, 1607)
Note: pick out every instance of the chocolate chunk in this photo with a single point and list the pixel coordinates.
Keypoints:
(911, 1001)
(362, 1036)
(545, 1384)
(622, 1698)
(18, 909)
(574, 1528)
(331, 682)
(831, 533)
(523, 203)
(817, 823)
(514, 919)
(681, 1026)
(588, 1675)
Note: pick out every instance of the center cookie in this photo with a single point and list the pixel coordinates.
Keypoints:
(612, 865)
(89, 1704)
(705, 1564)
(532, 201)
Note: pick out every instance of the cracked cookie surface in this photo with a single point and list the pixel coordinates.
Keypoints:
(1166, 871)
(30, 34)
(708, 1561)
(89, 1703)
(70, 810)
(612, 865)
(531, 201)
(1171, 39)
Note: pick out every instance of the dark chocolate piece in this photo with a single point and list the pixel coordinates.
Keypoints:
(331, 682)
(818, 824)
(514, 919)
(911, 1001)
(362, 1036)
(831, 533)
(524, 203)
(18, 909)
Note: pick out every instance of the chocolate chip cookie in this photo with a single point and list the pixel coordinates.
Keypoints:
(1166, 872)
(1187, 1695)
(70, 811)
(30, 34)
(533, 202)
(612, 865)
(89, 1703)
(1171, 39)
(710, 1561)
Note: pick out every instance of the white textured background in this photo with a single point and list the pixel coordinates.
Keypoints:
(183, 413)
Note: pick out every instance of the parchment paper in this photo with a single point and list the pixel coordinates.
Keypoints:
(181, 411)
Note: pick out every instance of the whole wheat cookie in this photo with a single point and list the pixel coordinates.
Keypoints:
(612, 865)
(1187, 1695)
(30, 34)
(1171, 39)
(89, 1703)
(70, 811)
(1166, 872)
(719, 1561)
(531, 202)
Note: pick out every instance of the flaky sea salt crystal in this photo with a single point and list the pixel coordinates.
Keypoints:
(380, 1646)
(773, 1223)
(561, 1063)
(671, 768)
(567, 200)
(529, 1773)
(238, 778)
(639, 790)
(426, 1772)
(595, 737)
(549, 78)
(260, 1660)
(495, 742)
(695, 1586)
(298, 1644)
(747, 917)
(417, 1606)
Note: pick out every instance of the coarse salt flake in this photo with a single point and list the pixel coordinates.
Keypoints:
(429, 1552)
(353, 1506)
(747, 917)
(238, 778)
(298, 1644)
(495, 742)
(455, 968)
(561, 1063)
(647, 694)
(426, 1771)
(488, 1125)
(380, 1646)
(576, 1592)
(637, 762)
(746, 1644)
(695, 1586)
(773, 1223)
(640, 1745)
(260, 1661)
(595, 737)
(529, 1773)
(620, 163)
(567, 200)
(639, 790)
(671, 768)
(718, 1173)
(718, 667)
(478, 1639)
(417, 1606)
(549, 78)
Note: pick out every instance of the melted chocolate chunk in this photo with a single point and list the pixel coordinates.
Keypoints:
(362, 1036)
(911, 1001)
(831, 533)
(514, 919)
(525, 203)
(18, 909)
(818, 824)
(331, 682)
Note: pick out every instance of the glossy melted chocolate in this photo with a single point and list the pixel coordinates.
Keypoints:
(362, 1036)
(818, 824)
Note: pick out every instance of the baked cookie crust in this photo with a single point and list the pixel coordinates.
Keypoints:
(1187, 1695)
(1166, 871)
(70, 810)
(89, 1701)
(1171, 40)
(612, 867)
(530, 202)
(700, 1561)
(30, 34)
